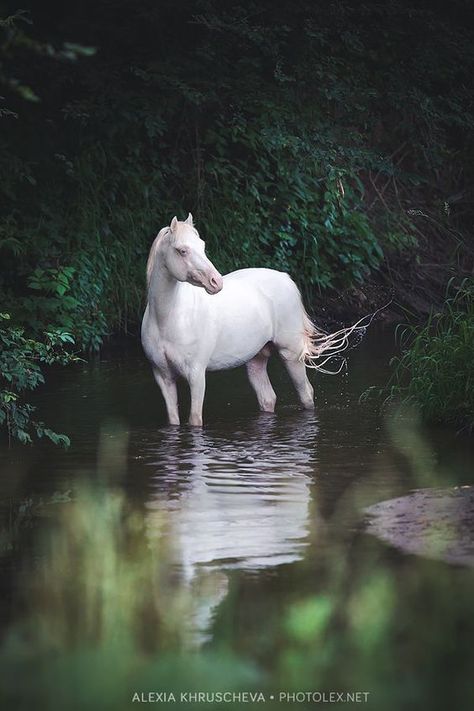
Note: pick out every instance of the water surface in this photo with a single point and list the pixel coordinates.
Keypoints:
(255, 509)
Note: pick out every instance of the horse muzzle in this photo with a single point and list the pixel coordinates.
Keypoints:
(214, 283)
(211, 282)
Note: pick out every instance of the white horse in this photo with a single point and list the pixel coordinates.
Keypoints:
(236, 319)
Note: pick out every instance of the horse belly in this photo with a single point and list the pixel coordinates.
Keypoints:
(236, 352)
(247, 328)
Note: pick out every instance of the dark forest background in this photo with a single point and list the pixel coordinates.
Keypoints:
(332, 140)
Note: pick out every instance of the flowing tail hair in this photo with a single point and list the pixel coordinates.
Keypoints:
(320, 347)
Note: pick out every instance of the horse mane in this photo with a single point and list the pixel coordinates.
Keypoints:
(152, 256)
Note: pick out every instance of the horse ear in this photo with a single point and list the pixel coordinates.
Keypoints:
(174, 224)
(189, 220)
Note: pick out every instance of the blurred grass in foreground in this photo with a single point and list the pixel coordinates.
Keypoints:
(103, 616)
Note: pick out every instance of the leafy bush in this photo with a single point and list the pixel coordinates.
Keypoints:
(435, 369)
(21, 370)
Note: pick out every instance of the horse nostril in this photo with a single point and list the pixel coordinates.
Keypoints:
(215, 282)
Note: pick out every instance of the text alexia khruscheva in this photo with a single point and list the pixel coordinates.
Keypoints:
(243, 697)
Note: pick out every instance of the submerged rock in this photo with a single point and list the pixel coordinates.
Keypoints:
(434, 523)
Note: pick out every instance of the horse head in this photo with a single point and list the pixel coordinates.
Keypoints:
(183, 253)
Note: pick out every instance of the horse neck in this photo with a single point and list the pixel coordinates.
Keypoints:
(163, 292)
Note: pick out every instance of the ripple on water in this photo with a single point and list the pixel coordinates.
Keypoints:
(239, 498)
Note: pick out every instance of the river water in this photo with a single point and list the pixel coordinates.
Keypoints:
(255, 509)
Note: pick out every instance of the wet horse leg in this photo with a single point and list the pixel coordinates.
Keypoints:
(259, 380)
(197, 384)
(169, 391)
(297, 372)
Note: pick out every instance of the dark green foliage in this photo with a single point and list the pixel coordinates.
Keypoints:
(434, 371)
(298, 137)
(22, 361)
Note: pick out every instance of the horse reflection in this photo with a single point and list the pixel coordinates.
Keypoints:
(231, 502)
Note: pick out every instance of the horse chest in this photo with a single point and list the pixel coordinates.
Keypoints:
(174, 354)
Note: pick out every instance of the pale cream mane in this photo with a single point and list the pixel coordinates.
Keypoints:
(152, 256)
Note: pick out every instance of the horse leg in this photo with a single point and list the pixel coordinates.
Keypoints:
(170, 393)
(297, 372)
(259, 380)
(197, 384)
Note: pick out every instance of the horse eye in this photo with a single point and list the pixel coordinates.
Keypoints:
(182, 251)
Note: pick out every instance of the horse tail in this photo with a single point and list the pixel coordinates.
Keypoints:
(319, 347)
